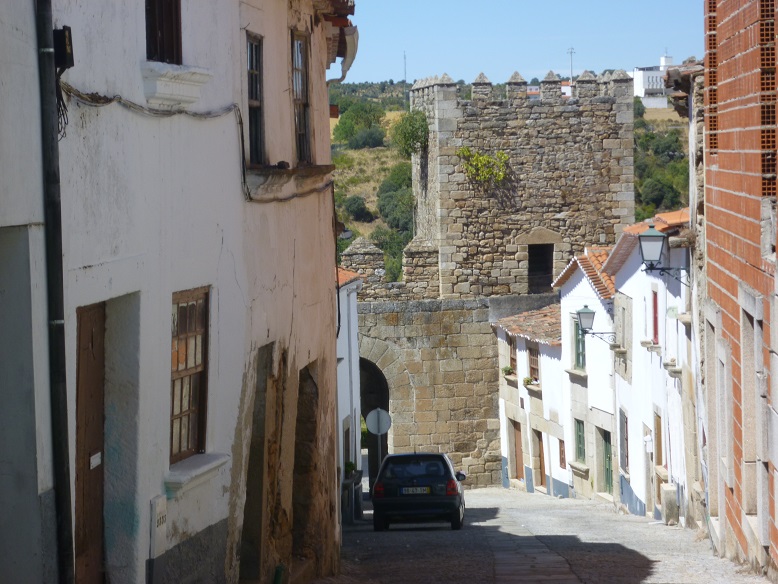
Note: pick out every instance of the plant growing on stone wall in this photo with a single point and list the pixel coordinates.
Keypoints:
(410, 134)
(482, 169)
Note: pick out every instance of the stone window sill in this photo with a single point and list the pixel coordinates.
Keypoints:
(172, 86)
(512, 380)
(579, 468)
(193, 471)
(580, 373)
(618, 349)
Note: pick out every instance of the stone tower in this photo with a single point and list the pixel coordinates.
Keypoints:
(570, 179)
(481, 252)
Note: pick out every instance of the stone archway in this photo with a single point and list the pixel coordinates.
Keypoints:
(373, 393)
(382, 378)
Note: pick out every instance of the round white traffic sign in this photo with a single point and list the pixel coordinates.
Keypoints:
(378, 421)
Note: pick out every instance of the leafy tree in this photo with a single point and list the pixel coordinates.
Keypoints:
(534, 81)
(410, 133)
(362, 115)
(640, 109)
(355, 206)
(396, 207)
(367, 138)
(400, 176)
(659, 192)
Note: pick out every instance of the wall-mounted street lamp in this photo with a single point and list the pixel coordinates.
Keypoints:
(652, 246)
(586, 322)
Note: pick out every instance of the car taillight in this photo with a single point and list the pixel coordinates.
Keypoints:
(378, 490)
(451, 487)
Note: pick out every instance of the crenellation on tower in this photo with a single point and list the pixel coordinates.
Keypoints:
(569, 184)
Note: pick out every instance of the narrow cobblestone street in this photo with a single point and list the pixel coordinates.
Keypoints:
(512, 536)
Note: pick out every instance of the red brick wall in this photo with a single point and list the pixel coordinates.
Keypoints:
(739, 159)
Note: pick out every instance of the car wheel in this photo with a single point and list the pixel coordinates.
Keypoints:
(379, 522)
(457, 519)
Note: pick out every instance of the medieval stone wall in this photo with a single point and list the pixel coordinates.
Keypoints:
(439, 358)
(570, 184)
(570, 179)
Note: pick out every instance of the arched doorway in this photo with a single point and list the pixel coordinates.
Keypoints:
(374, 393)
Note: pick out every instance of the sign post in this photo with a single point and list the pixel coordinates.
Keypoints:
(378, 422)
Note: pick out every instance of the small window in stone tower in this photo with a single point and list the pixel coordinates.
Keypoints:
(540, 272)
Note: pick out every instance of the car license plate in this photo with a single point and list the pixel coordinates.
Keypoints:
(415, 490)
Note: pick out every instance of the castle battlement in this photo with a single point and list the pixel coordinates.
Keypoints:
(569, 184)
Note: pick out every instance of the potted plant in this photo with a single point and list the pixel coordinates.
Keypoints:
(507, 370)
(349, 468)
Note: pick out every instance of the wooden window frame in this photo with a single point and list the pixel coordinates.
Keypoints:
(562, 456)
(580, 441)
(189, 372)
(533, 361)
(163, 31)
(255, 93)
(623, 440)
(579, 347)
(512, 350)
(301, 97)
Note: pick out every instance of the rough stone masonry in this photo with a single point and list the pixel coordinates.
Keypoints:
(484, 252)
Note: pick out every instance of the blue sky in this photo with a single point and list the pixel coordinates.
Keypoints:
(498, 37)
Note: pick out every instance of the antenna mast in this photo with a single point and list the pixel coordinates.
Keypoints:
(570, 52)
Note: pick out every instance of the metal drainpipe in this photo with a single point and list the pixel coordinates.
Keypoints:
(54, 291)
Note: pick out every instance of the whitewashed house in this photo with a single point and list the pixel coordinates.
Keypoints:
(649, 83)
(199, 412)
(533, 403)
(349, 403)
(653, 381)
(588, 373)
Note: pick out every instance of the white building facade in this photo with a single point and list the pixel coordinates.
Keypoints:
(649, 83)
(199, 291)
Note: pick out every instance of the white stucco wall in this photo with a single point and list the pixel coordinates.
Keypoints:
(348, 376)
(154, 205)
(27, 524)
(576, 293)
(651, 390)
(21, 187)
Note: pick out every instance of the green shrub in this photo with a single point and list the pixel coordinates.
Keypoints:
(640, 109)
(400, 177)
(367, 138)
(355, 206)
(410, 134)
(362, 115)
(396, 207)
(483, 169)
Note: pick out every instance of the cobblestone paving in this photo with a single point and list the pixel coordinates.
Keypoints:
(512, 536)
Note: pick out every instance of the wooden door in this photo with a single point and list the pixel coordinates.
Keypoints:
(541, 459)
(90, 375)
(518, 451)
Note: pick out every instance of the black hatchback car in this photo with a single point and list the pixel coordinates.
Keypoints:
(418, 487)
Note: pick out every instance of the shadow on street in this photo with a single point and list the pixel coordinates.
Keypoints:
(484, 551)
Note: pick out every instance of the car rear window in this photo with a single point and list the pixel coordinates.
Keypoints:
(415, 467)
